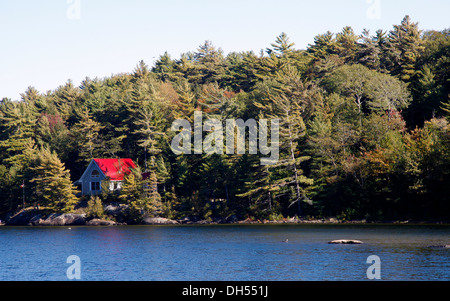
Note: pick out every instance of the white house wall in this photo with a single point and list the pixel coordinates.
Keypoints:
(117, 184)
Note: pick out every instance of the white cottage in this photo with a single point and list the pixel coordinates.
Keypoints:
(101, 169)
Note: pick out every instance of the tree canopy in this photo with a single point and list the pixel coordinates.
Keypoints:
(364, 131)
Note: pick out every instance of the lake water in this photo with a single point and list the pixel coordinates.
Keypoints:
(225, 252)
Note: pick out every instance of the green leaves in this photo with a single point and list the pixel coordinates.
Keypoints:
(369, 89)
(53, 186)
(361, 130)
(140, 192)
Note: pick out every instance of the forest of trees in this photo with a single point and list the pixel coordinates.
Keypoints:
(364, 131)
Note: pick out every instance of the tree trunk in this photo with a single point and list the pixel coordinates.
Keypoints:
(297, 184)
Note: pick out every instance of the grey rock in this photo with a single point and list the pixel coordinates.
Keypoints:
(100, 222)
(113, 209)
(34, 218)
(158, 221)
(345, 241)
(64, 219)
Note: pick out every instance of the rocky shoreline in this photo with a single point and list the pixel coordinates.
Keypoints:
(37, 218)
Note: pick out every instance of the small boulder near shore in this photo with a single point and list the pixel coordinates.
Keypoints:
(158, 221)
(100, 222)
(346, 241)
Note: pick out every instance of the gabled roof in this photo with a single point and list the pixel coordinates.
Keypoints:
(115, 169)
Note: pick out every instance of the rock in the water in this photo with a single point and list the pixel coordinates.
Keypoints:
(346, 241)
(158, 221)
(100, 222)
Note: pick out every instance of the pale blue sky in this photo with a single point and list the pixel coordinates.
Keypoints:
(43, 43)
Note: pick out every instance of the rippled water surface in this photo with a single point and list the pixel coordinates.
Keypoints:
(245, 252)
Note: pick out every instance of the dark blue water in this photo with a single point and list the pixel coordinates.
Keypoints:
(224, 252)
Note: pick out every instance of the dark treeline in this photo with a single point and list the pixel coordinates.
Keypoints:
(364, 131)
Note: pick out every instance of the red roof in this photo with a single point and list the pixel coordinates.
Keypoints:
(115, 169)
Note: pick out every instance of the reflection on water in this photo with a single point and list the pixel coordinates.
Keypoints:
(247, 252)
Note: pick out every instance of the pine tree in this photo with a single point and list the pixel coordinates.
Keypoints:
(404, 46)
(86, 133)
(347, 44)
(153, 203)
(141, 194)
(165, 68)
(17, 121)
(150, 132)
(210, 63)
(52, 182)
(324, 45)
(282, 46)
(52, 131)
(323, 148)
(95, 208)
(141, 72)
(65, 98)
(162, 170)
(257, 187)
(287, 101)
(445, 106)
(186, 103)
(241, 71)
(292, 129)
(188, 68)
(369, 52)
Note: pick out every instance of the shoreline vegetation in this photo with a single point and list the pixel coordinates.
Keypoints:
(39, 218)
(362, 121)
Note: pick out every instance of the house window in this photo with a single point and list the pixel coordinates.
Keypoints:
(95, 174)
(95, 186)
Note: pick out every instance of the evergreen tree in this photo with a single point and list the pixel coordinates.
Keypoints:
(52, 182)
(346, 44)
(369, 52)
(165, 68)
(324, 45)
(242, 70)
(257, 188)
(95, 208)
(210, 63)
(141, 194)
(186, 102)
(282, 46)
(86, 133)
(404, 46)
(150, 132)
(52, 131)
(446, 108)
(65, 98)
(288, 102)
(18, 122)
